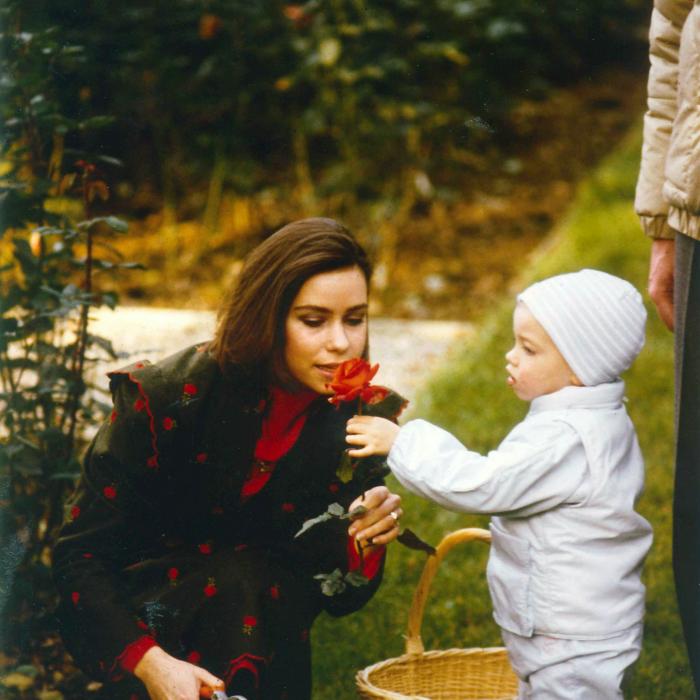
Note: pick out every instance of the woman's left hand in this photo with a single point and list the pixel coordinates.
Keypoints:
(380, 524)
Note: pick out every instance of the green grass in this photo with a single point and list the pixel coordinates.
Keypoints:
(469, 397)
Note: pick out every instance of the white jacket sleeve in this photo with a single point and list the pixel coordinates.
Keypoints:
(527, 474)
(667, 21)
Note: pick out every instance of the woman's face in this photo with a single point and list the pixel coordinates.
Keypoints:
(326, 325)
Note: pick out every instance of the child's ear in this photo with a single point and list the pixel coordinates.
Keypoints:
(575, 381)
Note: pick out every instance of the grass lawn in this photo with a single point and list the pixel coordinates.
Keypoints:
(470, 398)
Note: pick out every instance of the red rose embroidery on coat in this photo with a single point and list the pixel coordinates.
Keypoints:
(139, 405)
(168, 423)
(75, 597)
(249, 624)
(205, 548)
(194, 657)
(74, 512)
(201, 457)
(189, 390)
(288, 507)
(210, 589)
(110, 492)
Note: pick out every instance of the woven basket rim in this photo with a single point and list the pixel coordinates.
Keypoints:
(364, 682)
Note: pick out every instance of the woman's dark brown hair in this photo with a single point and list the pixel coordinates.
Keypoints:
(250, 325)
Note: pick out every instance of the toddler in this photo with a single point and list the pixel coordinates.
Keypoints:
(567, 545)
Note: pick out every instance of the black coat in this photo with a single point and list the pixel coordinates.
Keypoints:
(157, 535)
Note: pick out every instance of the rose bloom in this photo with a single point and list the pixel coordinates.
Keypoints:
(350, 378)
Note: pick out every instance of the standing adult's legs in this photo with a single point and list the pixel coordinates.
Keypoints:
(686, 499)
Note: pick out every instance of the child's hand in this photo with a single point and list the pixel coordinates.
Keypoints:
(374, 436)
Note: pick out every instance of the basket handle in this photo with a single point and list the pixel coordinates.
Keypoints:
(414, 643)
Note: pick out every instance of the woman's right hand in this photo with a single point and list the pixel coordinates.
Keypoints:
(168, 678)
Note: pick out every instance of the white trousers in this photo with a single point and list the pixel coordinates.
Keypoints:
(550, 668)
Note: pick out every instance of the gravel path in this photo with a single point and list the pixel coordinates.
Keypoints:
(407, 351)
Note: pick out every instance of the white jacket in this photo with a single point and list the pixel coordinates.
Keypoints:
(668, 189)
(568, 546)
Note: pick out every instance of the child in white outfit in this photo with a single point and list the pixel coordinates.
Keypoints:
(567, 545)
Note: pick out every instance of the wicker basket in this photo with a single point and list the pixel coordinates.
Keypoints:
(453, 674)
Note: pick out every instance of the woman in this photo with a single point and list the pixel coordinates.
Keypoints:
(178, 559)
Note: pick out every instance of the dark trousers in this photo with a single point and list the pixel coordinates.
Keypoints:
(686, 499)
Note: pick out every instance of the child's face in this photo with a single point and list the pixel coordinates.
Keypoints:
(535, 366)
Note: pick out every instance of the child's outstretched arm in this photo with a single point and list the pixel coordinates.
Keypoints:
(370, 435)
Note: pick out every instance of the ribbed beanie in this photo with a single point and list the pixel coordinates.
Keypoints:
(596, 320)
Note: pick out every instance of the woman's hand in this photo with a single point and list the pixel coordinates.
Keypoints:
(661, 278)
(168, 678)
(380, 524)
(373, 435)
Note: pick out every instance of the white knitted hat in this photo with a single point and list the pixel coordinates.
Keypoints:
(596, 321)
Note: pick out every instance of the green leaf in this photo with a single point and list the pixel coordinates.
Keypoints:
(390, 407)
(354, 513)
(355, 578)
(96, 122)
(336, 510)
(344, 472)
(117, 224)
(331, 584)
(110, 160)
(109, 299)
(308, 524)
(409, 539)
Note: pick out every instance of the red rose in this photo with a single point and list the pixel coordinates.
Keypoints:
(173, 573)
(168, 423)
(190, 389)
(333, 488)
(205, 548)
(152, 462)
(74, 512)
(250, 621)
(139, 405)
(112, 416)
(275, 592)
(109, 492)
(201, 457)
(350, 378)
(194, 657)
(288, 507)
(210, 588)
(75, 597)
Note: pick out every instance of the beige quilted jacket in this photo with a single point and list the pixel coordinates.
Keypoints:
(668, 189)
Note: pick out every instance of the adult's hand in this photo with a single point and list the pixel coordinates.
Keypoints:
(661, 278)
(380, 524)
(168, 678)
